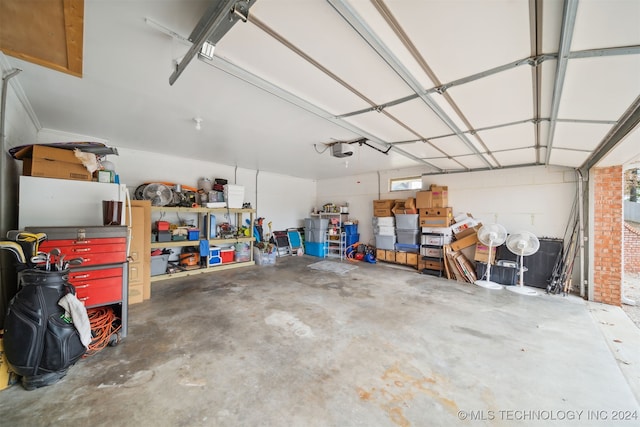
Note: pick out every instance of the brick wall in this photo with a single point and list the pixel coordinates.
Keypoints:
(631, 250)
(607, 235)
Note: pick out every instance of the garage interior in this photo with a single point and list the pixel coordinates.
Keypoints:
(526, 111)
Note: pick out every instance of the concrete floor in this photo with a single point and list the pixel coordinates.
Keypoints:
(286, 345)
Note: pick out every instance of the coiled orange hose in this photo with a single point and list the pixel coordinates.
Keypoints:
(102, 321)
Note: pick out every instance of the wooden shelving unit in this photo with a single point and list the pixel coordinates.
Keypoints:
(204, 227)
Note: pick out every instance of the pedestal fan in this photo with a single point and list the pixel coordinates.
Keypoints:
(523, 243)
(491, 235)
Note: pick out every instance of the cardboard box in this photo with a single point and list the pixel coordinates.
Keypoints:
(465, 242)
(50, 162)
(382, 212)
(390, 256)
(431, 264)
(423, 199)
(482, 253)
(412, 259)
(468, 232)
(460, 227)
(398, 207)
(410, 206)
(437, 212)
(401, 257)
(383, 204)
(380, 254)
(434, 221)
(439, 196)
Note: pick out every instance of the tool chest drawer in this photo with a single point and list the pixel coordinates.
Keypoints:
(90, 245)
(94, 253)
(75, 276)
(97, 286)
(102, 278)
(99, 292)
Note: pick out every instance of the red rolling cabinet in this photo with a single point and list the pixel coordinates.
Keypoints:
(102, 278)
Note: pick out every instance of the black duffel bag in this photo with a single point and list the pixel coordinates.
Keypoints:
(40, 344)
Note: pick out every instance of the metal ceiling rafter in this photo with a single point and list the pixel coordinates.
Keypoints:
(610, 51)
(220, 16)
(627, 123)
(260, 83)
(480, 169)
(504, 150)
(535, 26)
(533, 61)
(277, 91)
(566, 34)
(356, 22)
(268, 30)
(385, 12)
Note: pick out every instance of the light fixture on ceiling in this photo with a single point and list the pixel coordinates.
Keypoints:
(207, 50)
(217, 20)
(339, 150)
(198, 121)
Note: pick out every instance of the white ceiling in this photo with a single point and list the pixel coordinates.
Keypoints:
(304, 73)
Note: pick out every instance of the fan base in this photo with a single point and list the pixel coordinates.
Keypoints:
(523, 290)
(487, 284)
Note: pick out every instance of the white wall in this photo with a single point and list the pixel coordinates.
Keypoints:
(283, 200)
(537, 199)
(19, 129)
(359, 191)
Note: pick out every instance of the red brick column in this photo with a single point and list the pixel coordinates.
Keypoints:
(607, 235)
(631, 250)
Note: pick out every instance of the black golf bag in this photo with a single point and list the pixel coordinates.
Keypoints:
(39, 342)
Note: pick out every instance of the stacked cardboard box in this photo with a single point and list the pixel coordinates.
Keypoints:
(398, 257)
(396, 234)
(435, 218)
(51, 162)
(382, 208)
(447, 245)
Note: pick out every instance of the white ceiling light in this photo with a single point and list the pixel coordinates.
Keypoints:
(198, 121)
(207, 50)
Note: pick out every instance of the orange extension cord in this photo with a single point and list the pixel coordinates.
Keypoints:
(101, 320)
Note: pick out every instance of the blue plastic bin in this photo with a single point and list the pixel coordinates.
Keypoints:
(350, 229)
(350, 239)
(407, 248)
(314, 249)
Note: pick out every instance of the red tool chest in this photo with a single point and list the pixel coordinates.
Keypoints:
(101, 279)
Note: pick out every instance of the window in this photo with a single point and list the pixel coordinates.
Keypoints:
(402, 184)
